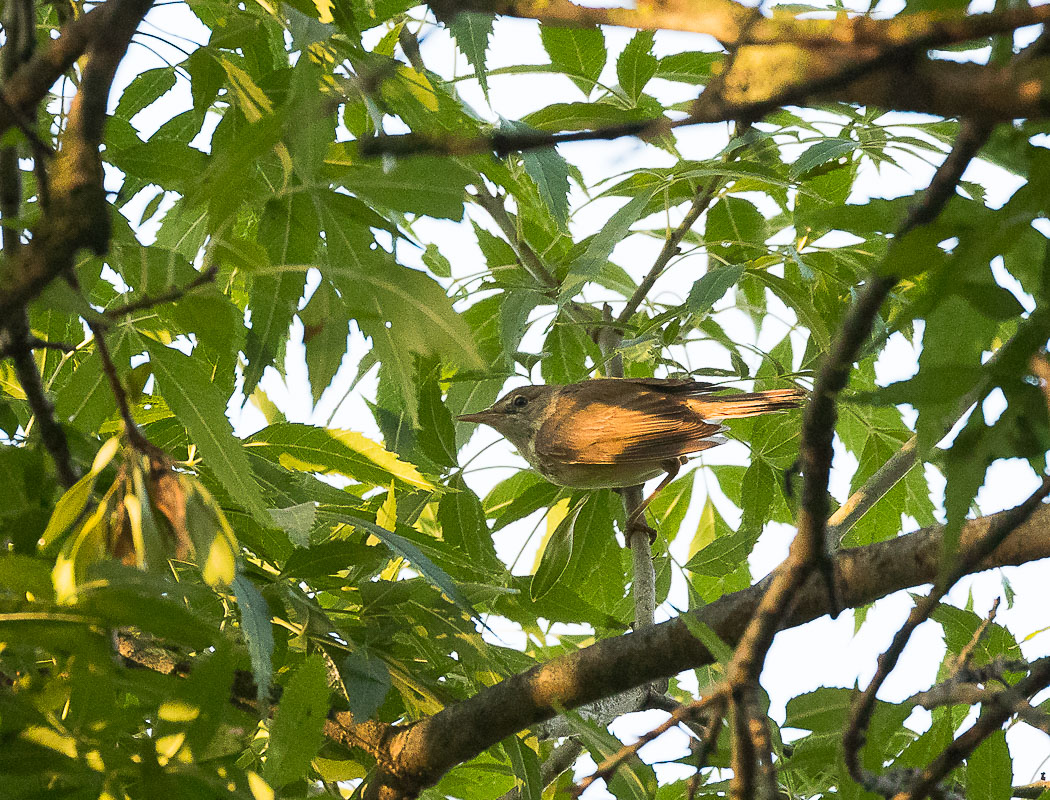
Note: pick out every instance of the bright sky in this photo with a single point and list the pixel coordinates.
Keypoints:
(833, 655)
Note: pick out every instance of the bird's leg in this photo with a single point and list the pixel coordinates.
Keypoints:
(636, 521)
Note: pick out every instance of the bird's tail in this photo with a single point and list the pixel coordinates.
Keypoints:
(748, 404)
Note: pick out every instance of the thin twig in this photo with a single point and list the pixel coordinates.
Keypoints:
(78, 214)
(169, 295)
(962, 661)
(684, 712)
(863, 704)
(527, 257)
(995, 712)
(701, 200)
(109, 368)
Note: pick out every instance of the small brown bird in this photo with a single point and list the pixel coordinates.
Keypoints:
(612, 433)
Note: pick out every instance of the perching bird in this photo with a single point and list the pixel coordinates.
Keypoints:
(616, 432)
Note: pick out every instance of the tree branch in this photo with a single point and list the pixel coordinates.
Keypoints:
(734, 24)
(169, 295)
(863, 705)
(423, 751)
(78, 215)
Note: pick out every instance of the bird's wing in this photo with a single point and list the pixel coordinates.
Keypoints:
(642, 426)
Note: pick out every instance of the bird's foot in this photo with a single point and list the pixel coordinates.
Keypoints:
(639, 526)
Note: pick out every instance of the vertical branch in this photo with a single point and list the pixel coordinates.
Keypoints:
(78, 214)
(808, 551)
(20, 28)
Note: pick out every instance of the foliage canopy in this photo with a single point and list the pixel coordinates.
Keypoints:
(298, 596)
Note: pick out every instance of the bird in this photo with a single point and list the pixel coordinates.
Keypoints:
(615, 433)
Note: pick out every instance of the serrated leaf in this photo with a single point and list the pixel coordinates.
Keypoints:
(201, 409)
(411, 553)
(558, 550)
(601, 245)
(578, 52)
(712, 287)
(296, 732)
(637, 65)
(367, 681)
(146, 87)
(471, 31)
(289, 232)
(526, 766)
(989, 769)
(330, 450)
(821, 153)
(463, 525)
(421, 185)
(296, 521)
(566, 351)
(326, 328)
(258, 635)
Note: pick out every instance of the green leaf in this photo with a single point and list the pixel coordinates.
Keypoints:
(582, 116)
(550, 172)
(703, 633)
(404, 311)
(799, 299)
(296, 732)
(326, 327)
(601, 245)
(463, 525)
(307, 448)
(557, 552)
(327, 558)
(170, 165)
(689, 67)
(566, 351)
(736, 231)
(146, 87)
(578, 52)
(297, 521)
(436, 262)
(712, 287)
(723, 555)
(821, 153)
(471, 31)
(289, 232)
(526, 766)
(367, 682)
(634, 780)
(637, 65)
(258, 635)
(407, 550)
(989, 769)
(201, 409)
(435, 187)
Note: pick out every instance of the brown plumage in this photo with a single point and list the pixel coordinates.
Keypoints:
(615, 432)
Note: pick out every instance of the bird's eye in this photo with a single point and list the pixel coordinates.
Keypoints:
(520, 402)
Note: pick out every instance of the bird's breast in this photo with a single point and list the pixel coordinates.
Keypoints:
(598, 476)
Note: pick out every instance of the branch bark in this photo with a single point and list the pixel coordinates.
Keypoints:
(78, 215)
(734, 24)
(419, 754)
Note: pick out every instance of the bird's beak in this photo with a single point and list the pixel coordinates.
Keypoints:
(481, 417)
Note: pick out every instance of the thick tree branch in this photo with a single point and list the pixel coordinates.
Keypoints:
(766, 78)
(734, 24)
(78, 215)
(420, 753)
(33, 80)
